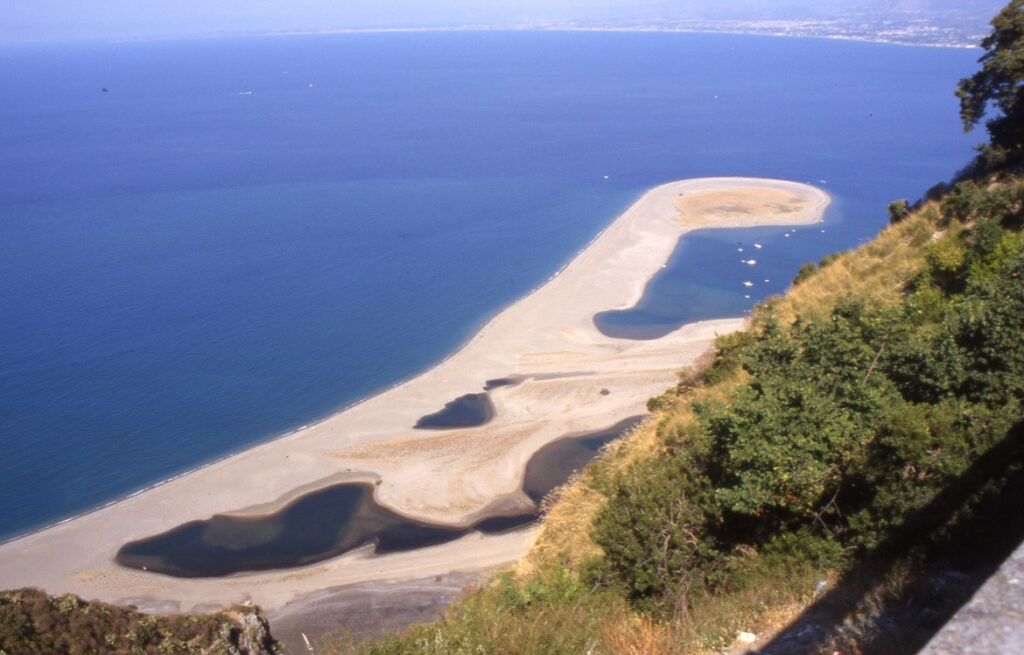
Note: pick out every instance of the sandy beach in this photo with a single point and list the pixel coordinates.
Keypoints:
(574, 379)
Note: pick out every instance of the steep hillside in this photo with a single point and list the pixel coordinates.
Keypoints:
(864, 437)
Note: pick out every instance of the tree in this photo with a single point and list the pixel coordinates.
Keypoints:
(898, 210)
(1000, 82)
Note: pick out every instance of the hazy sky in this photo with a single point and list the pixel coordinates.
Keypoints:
(33, 20)
(59, 19)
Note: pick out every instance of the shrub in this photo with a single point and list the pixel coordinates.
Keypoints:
(898, 210)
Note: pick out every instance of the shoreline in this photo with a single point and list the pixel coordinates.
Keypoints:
(437, 476)
(312, 486)
(316, 422)
(667, 29)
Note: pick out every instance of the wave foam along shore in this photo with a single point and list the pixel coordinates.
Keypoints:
(547, 339)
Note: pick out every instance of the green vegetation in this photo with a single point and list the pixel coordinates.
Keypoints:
(33, 622)
(999, 83)
(898, 210)
(810, 267)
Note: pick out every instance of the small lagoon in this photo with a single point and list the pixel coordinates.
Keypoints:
(336, 519)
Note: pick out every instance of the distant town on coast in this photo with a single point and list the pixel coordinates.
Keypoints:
(961, 27)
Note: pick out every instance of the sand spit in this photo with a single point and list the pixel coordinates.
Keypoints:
(570, 377)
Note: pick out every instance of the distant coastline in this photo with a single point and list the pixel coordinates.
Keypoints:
(910, 34)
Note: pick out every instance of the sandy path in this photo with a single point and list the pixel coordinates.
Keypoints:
(441, 476)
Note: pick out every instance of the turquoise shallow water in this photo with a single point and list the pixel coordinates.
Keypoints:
(243, 235)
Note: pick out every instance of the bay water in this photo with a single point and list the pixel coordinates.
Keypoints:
(208, 243)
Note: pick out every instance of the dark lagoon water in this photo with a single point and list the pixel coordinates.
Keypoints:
(551, 466)
(467, 411)
(330, 521)
(240, 236)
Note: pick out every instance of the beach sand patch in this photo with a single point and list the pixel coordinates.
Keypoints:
(742, 204)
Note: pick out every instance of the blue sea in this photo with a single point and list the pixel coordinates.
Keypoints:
(208, 243)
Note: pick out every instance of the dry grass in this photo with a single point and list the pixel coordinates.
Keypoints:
(769, 601)
(877, 272)
(639, 634)
(566, 528)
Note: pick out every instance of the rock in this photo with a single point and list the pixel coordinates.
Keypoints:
(252, 637)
